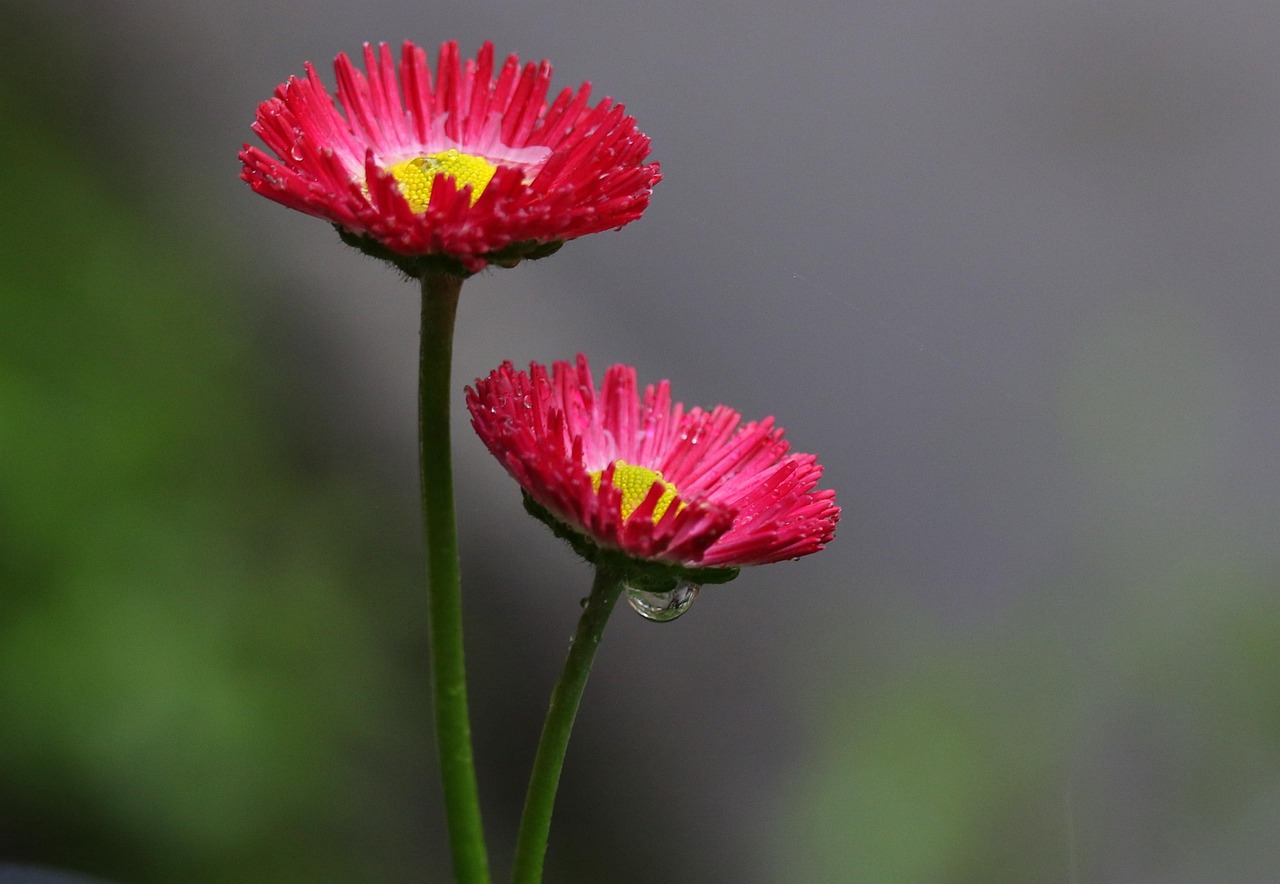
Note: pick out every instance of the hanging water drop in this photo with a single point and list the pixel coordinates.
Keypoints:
(661, 607)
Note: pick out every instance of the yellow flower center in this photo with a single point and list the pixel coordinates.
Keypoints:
(416, 176)
(634, 482)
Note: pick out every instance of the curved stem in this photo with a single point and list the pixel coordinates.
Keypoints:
(448, 670)
(535, 823)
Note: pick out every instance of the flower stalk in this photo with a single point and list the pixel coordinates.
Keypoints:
(448, 669)
(535, 822)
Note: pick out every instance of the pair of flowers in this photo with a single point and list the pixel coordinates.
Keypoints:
(478, 168)
(443, 178)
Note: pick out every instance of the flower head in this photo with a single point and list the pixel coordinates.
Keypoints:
(664, 493)
(450, 175)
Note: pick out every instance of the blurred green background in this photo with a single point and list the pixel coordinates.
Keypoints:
(198, 680)
(1015, 283)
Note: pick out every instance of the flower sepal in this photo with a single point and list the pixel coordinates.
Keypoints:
(412, 266)
(649, 575)
(528, 250)
(418, 266)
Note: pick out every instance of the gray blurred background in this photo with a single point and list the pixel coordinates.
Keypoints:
(1009, 268)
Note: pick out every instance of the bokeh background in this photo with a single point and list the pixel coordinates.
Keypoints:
(1010, 269)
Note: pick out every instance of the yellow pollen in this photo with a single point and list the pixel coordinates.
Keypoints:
(415, 176)
(634, 482)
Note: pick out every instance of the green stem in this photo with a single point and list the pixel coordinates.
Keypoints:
(448, 669)
(535, 824)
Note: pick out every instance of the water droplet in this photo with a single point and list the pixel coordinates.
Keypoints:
(661, 607)
(297, 152)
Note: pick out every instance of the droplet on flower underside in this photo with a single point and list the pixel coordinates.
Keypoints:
(662, 607)
(417, 175)
(634, 482)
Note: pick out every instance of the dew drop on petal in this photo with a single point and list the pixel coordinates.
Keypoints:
(661, 607)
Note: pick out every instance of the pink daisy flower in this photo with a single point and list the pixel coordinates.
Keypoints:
(667, 494)
(451, 175)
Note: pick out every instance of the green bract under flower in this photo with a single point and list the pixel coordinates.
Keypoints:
(643, 574)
